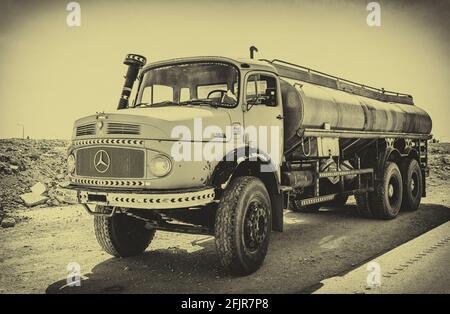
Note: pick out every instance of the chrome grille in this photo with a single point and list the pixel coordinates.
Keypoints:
(87, 129)
(122, 162)
(123, 128)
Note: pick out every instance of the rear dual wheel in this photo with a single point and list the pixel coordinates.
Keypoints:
(412, 184)
(386, 199)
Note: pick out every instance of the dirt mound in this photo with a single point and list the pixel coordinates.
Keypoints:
(24, 163)
(439, 162)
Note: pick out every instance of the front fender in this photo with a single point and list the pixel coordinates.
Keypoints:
(248, 161)
(233, 160)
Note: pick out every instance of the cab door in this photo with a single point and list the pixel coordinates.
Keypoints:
(263, 114)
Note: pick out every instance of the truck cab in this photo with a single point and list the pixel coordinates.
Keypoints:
(160, 136)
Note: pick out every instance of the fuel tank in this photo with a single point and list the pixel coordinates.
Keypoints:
(307, 105)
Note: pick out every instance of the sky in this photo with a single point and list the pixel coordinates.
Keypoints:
(52, 74)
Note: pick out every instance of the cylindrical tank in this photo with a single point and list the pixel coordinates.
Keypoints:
(308, 105)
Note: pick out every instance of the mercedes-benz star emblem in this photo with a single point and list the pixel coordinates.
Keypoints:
(102, 161)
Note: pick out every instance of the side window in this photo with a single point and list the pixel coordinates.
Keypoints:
(157, 93)
(261, 89)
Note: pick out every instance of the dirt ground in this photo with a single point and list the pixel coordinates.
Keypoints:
(313, 247)
(34, 255)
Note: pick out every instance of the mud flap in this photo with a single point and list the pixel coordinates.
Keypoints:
(277, 212)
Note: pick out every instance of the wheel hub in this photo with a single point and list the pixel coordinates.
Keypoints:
(391, 190)
(255, 226)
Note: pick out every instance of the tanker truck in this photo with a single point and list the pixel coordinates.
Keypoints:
(180, 153)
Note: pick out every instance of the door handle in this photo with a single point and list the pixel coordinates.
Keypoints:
(280, 117)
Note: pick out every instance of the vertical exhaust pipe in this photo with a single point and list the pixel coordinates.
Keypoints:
(135, 63)
(253, 49)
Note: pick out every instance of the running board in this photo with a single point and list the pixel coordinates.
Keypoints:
(330, 174)
(330, 197)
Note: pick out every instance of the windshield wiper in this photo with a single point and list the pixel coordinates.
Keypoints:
(201, 102)
(159, 104)
(208, 102)
(142, 104)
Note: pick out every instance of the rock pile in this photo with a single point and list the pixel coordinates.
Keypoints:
(26, 164)
(439, 161)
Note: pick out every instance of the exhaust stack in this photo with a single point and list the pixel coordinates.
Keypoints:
(135, 63)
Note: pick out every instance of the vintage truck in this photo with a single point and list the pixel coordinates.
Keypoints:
(180, 153)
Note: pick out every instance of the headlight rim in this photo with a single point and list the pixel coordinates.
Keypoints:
(69, 170)
(169, 160)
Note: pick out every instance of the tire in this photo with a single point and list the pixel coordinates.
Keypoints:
(412, 184)
(362, 202)
(243, 225)
(387, 198)
(121, 235)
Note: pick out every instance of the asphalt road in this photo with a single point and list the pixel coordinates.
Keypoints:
(36, 253)
(418, 266)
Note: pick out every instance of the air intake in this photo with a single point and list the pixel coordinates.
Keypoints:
(87, 129)
(123, 128)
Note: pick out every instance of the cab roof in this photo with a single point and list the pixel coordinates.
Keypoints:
(241, 63)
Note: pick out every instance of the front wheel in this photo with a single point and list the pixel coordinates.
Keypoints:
(121, 235)
(243, 225)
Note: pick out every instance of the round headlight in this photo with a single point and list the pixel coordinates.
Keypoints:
(71, 163)
(160, 165)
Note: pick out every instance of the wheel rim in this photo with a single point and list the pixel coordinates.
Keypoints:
(390, 190)
(256, 226)
(393, 191)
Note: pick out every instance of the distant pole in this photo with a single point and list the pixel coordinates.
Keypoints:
(23, 130)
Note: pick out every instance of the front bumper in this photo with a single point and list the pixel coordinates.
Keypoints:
(131, 199)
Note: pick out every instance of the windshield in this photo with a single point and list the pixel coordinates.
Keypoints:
(200, 83)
